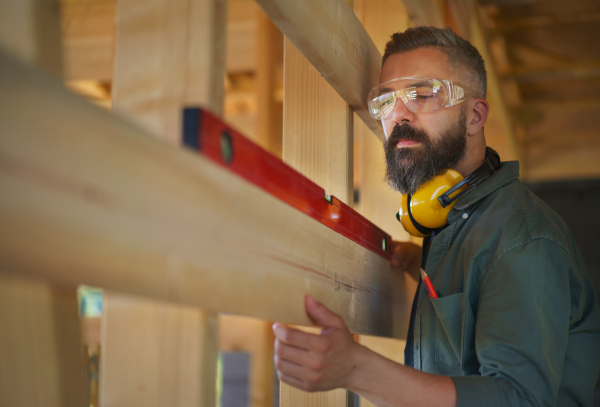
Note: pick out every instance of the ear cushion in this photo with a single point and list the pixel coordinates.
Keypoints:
(425, 208)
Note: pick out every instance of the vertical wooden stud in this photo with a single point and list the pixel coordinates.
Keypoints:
(168, 54)
(255, 336)
(30, 30)
(318, 129)
(269, 58)
(41, 355)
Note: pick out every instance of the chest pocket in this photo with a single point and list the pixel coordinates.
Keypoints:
(453, 325)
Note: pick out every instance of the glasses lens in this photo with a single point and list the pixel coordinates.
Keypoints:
(418, 96)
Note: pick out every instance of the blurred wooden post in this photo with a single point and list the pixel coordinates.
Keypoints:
(168, 54)
(269, 58)
(317, 141)
(41, 355)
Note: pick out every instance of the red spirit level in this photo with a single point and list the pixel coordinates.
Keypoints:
(225, 146)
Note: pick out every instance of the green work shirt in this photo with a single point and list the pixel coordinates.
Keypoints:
(517, 321)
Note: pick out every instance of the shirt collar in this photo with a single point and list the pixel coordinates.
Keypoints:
(508, 172)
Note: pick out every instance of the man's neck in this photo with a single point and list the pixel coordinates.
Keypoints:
(473, 160)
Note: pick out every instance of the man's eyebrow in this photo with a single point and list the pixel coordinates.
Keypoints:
(422, 83)
(384, 90)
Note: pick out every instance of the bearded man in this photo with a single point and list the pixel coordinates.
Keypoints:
(516, 321)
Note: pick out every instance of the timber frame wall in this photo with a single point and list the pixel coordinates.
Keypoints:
(114, 201)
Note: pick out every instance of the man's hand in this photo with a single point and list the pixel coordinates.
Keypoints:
(316, 362)
(407, 256)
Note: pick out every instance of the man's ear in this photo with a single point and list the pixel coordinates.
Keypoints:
(477, 115)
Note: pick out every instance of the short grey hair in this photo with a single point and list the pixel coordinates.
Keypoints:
(460, 53)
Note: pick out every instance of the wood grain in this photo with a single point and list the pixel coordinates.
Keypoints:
(30, 30)
(255, 336)
(168, 55)
(317, 127)
(41, 354)
(124, 211)
(338, 47)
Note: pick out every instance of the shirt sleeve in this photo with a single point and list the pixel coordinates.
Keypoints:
(522, 328)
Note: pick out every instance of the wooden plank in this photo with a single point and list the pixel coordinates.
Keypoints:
(41, 355)
(168, 54)
(317, 127)
(30, 30)
(338, 47)
(166, 357)
(269, 59)
(255, 336)
(318, 142)
(424, 12)
(181, 44)
(88, 32)
(129, 213)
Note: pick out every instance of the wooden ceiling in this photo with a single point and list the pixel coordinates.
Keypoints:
(545, 53)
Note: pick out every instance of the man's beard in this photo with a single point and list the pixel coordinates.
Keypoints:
(409, 168)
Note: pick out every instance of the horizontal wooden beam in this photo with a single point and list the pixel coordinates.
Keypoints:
(331, 37)
(533, 75)
(88, 198)
(505, 24)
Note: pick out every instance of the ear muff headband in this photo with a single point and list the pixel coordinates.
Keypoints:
(491, 164)
(428, 208)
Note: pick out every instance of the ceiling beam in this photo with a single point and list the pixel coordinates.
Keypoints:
(331, 37)
(578, 72)
(505, 24)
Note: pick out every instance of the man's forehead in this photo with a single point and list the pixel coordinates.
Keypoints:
(422, 62)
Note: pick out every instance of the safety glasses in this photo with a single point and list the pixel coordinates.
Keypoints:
(419, 95)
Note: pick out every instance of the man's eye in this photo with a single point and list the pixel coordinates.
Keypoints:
(424, 96)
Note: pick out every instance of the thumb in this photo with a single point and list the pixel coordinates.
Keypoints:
(320, 315)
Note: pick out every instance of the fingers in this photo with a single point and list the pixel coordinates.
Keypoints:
(296, 338)
(300, 376)
(290, 353)
(321, 315)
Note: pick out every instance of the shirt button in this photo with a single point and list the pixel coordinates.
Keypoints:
(465, 215)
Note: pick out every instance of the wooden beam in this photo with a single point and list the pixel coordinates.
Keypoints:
(338, 47)
(166, 357)
(317, 141)
(125, 212)
(317, 127)
(460, 11)
(424, 12)
(88, 33)
(30, 30)
(269, 60)
(255, 336)
(41, 354)
(569, 73)
(181, 44)
(168, 54)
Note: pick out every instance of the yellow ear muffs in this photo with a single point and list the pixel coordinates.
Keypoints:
(423, 212)
(428, 208)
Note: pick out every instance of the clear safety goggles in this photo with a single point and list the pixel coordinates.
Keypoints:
(419, 95)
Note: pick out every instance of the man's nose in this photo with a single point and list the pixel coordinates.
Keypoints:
(401, 113)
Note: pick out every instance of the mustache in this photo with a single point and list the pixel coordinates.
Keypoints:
(406, 132)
